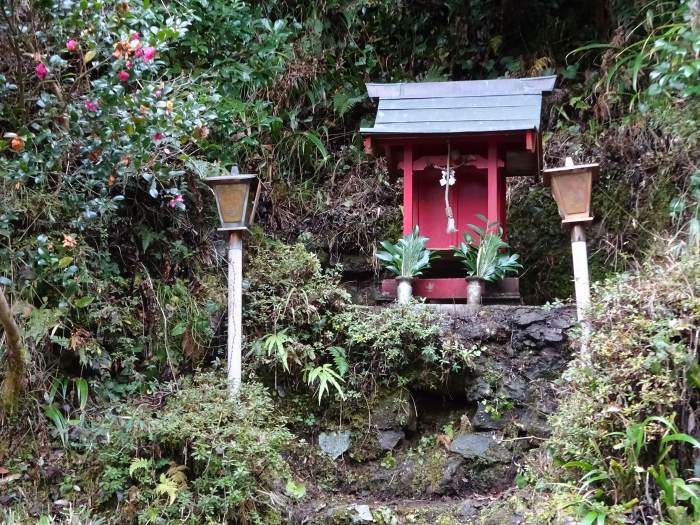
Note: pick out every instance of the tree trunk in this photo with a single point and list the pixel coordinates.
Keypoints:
(11, 387)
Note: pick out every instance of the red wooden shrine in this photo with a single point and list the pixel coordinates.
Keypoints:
(489, 129)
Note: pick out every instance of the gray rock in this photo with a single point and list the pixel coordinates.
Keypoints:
(480, 445)
(394, 411)
(334, 443)
(534, 424)
(529, 317)
(361, 514)
(478, 389)
(515, 388)
(482, 420)
(388, 439)
(452, 475)
(564, 323)
(467, 510)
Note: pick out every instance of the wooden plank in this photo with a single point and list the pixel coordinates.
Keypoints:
(497, 101)
(408, 189)
(429, 161)
(463, 140)
(472, 126)
(529, 141)
(457, 114)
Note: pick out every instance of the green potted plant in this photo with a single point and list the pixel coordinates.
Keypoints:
(406, 259)
(486, 259)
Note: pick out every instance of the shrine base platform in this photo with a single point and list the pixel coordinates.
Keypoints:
(455, 289)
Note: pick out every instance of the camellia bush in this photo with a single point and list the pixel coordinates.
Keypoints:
(102, 224)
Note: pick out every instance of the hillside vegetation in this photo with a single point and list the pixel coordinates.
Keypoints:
(112, 113)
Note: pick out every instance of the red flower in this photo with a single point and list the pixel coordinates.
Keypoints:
(17, 144)
(149, 54)
(123, 76)
(175, 201)
(136, 36)
(92, 105)
(71, 45)
(41, 71)
(129, 64)
(138, 53)
(158, 136)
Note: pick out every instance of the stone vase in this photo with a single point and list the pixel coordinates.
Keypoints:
(404, 289)
(475, 291)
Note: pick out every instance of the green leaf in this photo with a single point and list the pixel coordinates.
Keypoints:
(681, 437)
(295, 490)
(313, 138)
(65, 261)
(83, 301)
(89, 56)
(179, 329)
(81, 387)
(589, 518)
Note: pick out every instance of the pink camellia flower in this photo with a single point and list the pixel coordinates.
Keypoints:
(139, 52)
(136, 36)
(129, 63)
(91, 105)
(175, 201)
(41, 71)
(71, 45)
(123, 76)
(149, 53)
(158, 136)
(158, 93)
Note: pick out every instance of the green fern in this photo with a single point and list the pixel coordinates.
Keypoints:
(325, 376)
(139, 464)
(339, 359)
(167, 486)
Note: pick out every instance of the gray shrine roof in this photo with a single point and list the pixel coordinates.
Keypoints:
(472, 106)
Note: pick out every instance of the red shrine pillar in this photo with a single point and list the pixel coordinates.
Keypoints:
(407, 189)
(493, 183)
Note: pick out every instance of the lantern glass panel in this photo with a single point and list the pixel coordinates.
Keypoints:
(232, 200)
(573, 193)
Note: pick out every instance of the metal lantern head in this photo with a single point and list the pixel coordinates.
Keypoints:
(234, 199)
(571, 188)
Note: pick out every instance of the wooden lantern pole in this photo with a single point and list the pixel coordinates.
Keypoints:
(235, 299)
(582, 287)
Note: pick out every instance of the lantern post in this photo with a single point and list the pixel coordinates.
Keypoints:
(236, 206)
(571, 189)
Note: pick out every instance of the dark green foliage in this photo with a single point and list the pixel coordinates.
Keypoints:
(289, 289)
(624, 414)
(397, 347)
(303, 320)
(199, 457)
